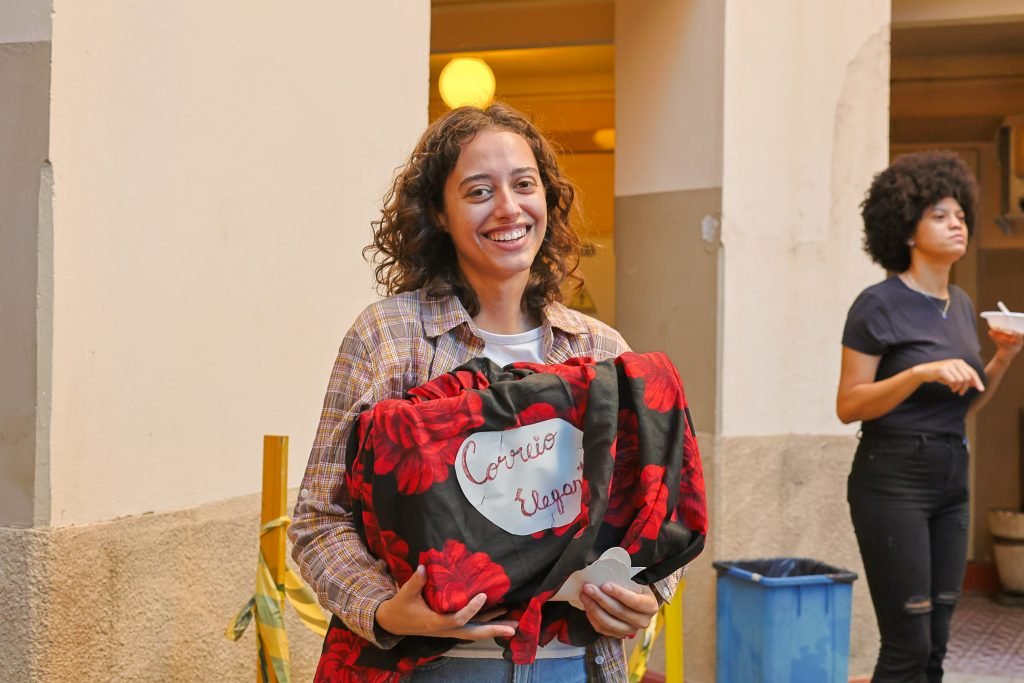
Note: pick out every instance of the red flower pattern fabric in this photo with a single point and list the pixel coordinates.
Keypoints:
(641, 488)
(337, 662)
(419, 444)
(524, 643)
(692, 506)
(653, 510)
(663, 390)
(455, 574)
(624, 494)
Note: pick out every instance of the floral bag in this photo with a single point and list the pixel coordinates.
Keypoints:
(505, 482)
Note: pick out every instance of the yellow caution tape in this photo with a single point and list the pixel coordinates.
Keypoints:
(267, 606)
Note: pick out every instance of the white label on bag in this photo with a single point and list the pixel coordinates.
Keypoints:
(526, 479)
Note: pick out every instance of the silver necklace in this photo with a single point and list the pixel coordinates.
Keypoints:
(909, 280)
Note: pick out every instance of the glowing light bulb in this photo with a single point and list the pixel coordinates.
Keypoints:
(466, 81)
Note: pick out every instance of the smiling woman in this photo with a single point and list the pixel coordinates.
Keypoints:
(495, 214)
(472, 249)
(411, 245)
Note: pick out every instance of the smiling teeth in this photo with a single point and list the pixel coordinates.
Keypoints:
(507, 236)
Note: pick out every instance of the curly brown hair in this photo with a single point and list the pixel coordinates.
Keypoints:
(899, 196)
(410, 249)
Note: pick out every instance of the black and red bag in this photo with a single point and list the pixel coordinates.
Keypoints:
(442, 477)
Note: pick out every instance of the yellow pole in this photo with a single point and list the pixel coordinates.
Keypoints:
(674, 636)
(275, 492)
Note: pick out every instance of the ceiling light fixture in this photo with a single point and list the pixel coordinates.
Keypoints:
(466, 81)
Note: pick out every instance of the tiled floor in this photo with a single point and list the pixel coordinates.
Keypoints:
(986, 643)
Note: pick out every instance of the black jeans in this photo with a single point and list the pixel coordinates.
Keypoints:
(908, 501)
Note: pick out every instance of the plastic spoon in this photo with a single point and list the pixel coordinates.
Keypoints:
(1002, 307)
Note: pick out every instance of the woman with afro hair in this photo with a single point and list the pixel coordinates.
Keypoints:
(912, 373)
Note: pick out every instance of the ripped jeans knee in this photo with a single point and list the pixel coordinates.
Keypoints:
(917, 604)
(920, 604)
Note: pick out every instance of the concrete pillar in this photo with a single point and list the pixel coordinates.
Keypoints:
(773, 117)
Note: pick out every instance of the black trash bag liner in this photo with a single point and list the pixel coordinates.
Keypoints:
(786, 567)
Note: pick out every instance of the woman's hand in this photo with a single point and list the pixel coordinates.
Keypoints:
(955, 373)
(616, 611)
(407, 614)
(1008, 344)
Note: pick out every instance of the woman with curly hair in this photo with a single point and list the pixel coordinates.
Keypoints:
(472, 248)
(912, 373)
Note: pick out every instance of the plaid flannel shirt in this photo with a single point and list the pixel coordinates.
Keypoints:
(396, 344)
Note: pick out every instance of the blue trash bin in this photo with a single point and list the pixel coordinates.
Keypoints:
(783, 620)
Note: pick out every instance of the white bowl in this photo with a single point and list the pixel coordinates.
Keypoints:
(997, 320)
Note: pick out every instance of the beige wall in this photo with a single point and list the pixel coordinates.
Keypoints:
(668, 99)
(215, 168)
(802, 138)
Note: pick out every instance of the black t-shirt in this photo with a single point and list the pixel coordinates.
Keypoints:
(906, 328)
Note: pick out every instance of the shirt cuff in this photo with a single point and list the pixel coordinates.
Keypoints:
(666, 588)
(363, 620)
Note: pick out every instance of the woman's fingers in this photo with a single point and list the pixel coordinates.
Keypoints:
(959, 376)
(603, 621)
(462, 624)
(617, 611)
(635, 608)
(463, 616)
(973, 379)
(477, 631)
(466, 624)
(1008, 341)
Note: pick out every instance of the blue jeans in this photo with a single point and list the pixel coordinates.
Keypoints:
(465, 670)
(908, 501)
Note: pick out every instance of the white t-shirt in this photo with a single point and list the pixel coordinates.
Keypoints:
(511, 348)
(504, 349)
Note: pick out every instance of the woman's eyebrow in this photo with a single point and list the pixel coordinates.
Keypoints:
(487, 176)
(475, 177)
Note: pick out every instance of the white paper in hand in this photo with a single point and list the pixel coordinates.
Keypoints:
(612, 567)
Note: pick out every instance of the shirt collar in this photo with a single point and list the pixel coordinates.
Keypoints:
(441, 314)
(444, 313)
(565, 319)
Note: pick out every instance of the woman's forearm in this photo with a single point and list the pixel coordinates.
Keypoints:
(871, 400)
